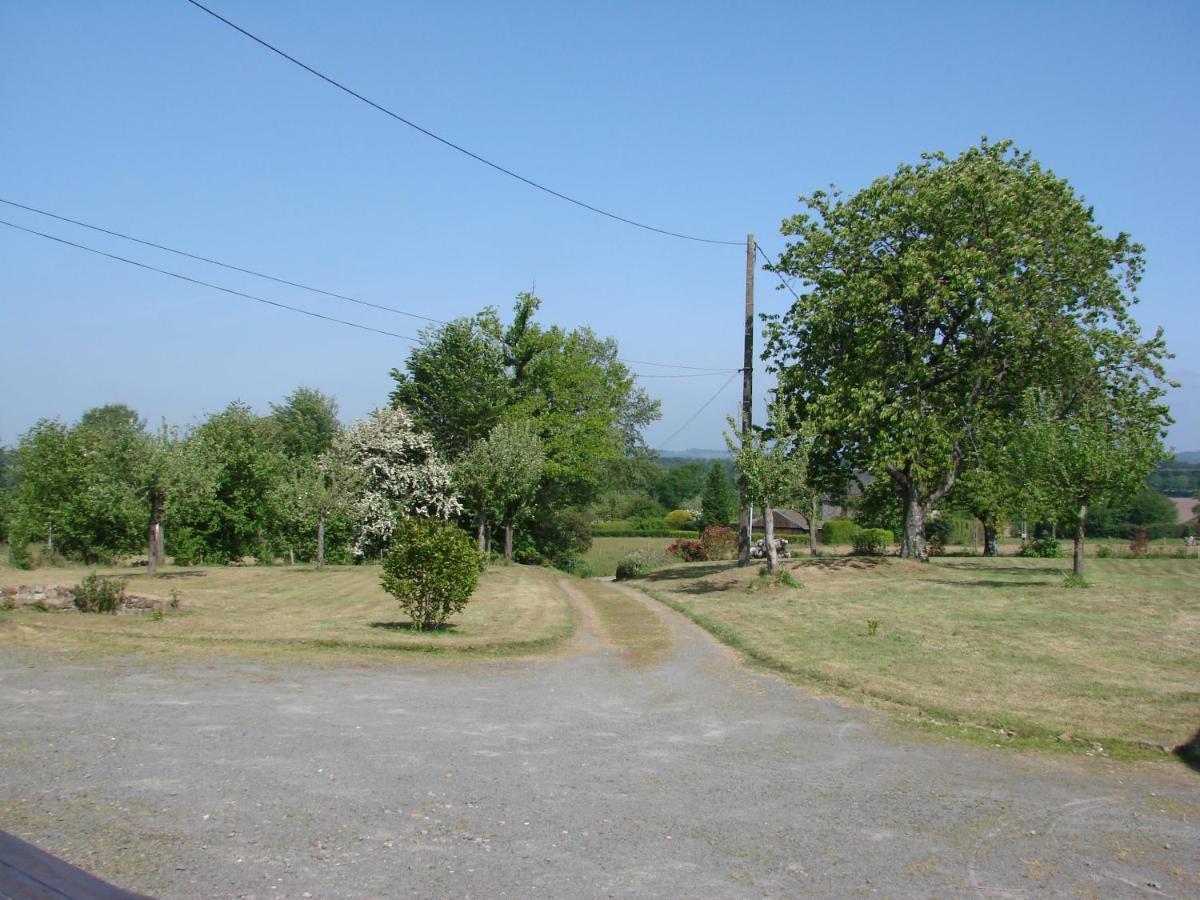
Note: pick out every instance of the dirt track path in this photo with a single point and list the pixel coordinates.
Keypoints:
(600, 772)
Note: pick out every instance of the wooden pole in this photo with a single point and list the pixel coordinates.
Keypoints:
(744, 521)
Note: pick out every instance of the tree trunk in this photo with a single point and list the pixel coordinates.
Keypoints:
(769, 537)
(508, 541)
(154, 538)
(1079, 540)
(913, 544)
(814, 511)
(990, 547)
(320, 542)
(481, 532)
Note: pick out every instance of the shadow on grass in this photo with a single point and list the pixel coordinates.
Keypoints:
(444, 628)
(685, 573)
(1051, 567)
(989, 583)
(190, 573)
(835, 563)
(1189, 752)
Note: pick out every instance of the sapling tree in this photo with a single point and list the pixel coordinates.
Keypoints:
(1080, 450)
(431, 568)
(773, 463)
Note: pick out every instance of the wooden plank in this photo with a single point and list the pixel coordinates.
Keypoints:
(28, 873)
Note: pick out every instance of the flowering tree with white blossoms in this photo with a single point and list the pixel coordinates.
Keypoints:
(400, 474)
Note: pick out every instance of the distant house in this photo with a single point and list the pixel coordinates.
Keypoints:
(793, 521)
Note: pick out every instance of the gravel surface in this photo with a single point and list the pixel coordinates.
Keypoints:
(576, 775)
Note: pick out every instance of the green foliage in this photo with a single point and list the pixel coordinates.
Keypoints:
(305, 424)
(581, 400)
(838, 532)
(930, 312)
(560, 537)
(678, 519)
(432, 569)
(18, 552)
(767, 579)
(872, 627)
(99, 593)
(628, 529)
(635, 564)
(1042, 548)
(772, 462)
(718, 504)
(498, 476)
(675, 485)
(1103, 551)
(1071, 580)
(719, 542)
(1150, 508)
(937, 533)
(873, 541)
(222, 487)
(79, 484)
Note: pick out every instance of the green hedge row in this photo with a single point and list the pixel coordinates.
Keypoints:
(607, 531)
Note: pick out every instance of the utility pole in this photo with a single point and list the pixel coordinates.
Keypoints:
(744, 513)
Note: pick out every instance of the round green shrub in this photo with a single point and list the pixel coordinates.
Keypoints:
(635, 564)
(678, 519)
(873, 541)
(432, 568)
(838, 532)
(98, 593)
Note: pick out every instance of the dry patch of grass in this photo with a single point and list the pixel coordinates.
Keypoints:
(637, 633)
(264, 610)
(998, 643)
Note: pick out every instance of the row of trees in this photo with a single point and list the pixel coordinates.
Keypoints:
(513, 427)
(965, 336)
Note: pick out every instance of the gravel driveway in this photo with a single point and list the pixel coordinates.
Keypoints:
(576, 775)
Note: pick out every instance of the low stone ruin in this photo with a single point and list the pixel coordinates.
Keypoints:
(62, 597)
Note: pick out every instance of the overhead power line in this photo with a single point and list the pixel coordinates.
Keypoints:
(215, 287)
(782, 280)
(453, 146)
(217, 262)
(296, 284)
(702, 408)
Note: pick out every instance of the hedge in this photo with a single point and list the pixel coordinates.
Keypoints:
(836, 532)
(609, 531)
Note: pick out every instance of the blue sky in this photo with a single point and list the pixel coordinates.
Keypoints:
(152, 118)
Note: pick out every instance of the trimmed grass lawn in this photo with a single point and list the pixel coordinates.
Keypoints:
(997, 648)
(262, 610)
(606, 552)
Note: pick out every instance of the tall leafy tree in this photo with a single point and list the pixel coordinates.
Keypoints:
(457, 383)
(305, 424)
(581, 400)
(718, 505)
(221, 486)
(77, 486)
(934, 298)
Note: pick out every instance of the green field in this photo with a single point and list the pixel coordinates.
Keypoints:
(264, 610)
(606, 552)
(996, 648)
